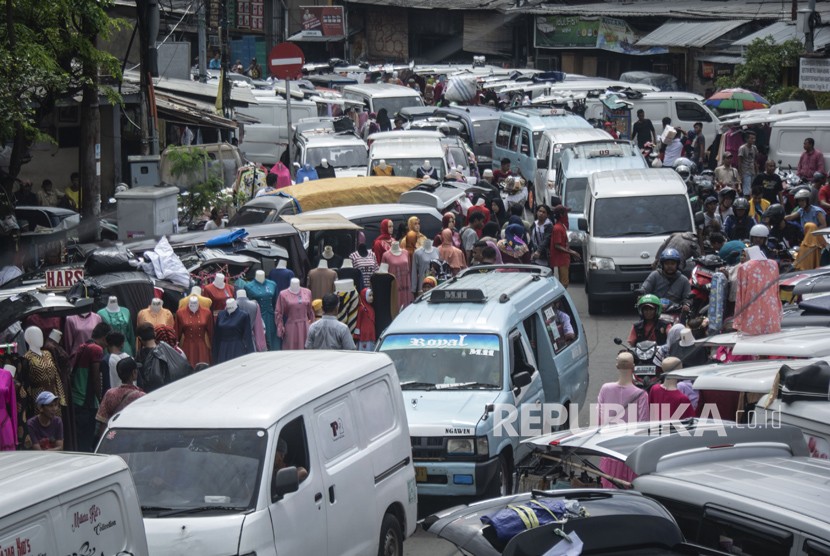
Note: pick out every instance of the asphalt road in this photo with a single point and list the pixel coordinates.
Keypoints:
(600, 332)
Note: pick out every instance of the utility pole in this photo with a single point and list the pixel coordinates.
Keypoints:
(202, 44)
(148, 23)
(811, 31)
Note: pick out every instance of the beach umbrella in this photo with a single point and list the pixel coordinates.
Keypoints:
(737, 100)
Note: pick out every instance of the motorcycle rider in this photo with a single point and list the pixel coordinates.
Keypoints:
(726, 197)
(667, 282)
(649, 327)
(759, 235)
(806, 211)
(786, 234)
(738, 225)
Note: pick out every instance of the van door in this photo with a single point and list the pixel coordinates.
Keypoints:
(542, 171)
(525, 159)
(353, 522)
(688, 112)
(501, 148)
(522, 360)
(299, 518)
(566, 350)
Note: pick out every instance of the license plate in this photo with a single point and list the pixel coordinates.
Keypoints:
(645, 369)
(636, 285)
(420, 474)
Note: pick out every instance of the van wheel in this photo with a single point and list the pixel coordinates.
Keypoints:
(391, 537)
(594, 306)
(503, 481)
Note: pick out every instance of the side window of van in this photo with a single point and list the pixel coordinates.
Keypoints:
(815, 548)
(742, 535)
(691, 112)
(560, 323)
(377, 409)
(514, 139)
(295, 439)
(336, 429)
(520, 359)
(544, 149)
(503, 135)
(525, 147)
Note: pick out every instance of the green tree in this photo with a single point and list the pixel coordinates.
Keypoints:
(766, 63)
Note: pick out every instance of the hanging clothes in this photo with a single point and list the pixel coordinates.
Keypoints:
(325, 171)
(121, 321)
(161, 318)
(232, 336)
(420, 266)
(195, 331)
(255, 317)
(426, 173)
(283, 174)
(348, 309)
(367, 265)
(8, 412)
(43, 376)
(219, 297)
(364, 334)
(385, 290)
(351, 273)
(293, 316)
(282, 278)
(757, 304)
(78, 329)
(321, 282)
(399, 267)
(307, 172)
(203, 301)
(46, 324)
(265, 295)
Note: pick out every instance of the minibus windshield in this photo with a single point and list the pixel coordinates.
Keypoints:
(178, 471)
(651, 215)
(446, 361)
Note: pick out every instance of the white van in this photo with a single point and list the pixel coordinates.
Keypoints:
(786, 140)
(684, 109)
(629, 215)
(266, 141)
(406, 151)
(291, 452)
(65, 503)
(550, 148)
(375, 96)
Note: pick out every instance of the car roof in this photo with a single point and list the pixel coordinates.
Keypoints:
(521, 285)
(541, 119)
(474, 113)
(577, 162)
(332, 139)
(374, 211)
(252, 391)
(381, 90)
(808, 118)
(740, 376)
(623, 183)
(405, 135)
(418, 148)
(30, 477)
(577, 135)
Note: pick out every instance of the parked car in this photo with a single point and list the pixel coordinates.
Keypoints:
(480, 124)
(345, 151)
(383, 95)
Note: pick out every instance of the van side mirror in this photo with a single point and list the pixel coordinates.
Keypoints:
(285, 482)
(541, 164)
(582, 224)
(521, 379)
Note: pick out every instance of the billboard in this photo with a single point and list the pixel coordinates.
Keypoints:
(323, 21)
(604, 33)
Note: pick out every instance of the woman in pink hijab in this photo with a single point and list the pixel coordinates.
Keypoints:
(450, 254)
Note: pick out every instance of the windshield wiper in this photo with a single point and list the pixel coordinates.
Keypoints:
(459, 385)
(200, 509)
(417, 385)
(155, 509)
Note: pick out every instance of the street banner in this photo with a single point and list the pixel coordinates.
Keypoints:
(328, 20)
(604, 33)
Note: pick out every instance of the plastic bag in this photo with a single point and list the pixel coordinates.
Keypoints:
(162, 366)
(111, 259)
(460, 88)
(517, 518)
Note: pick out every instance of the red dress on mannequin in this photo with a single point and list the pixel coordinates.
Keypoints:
(194, 331)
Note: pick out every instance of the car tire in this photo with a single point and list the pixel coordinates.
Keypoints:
(503, 481)
(391, 537)
(594, 306)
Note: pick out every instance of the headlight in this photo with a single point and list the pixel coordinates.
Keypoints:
(482, 446)
(577, 237)
(461, 446)
(601, 263)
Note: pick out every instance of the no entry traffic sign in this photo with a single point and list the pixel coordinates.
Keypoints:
(285, 60)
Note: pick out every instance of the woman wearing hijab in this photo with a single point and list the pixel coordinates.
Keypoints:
(448, 222)
(513, 247)
(498, 212)
(809, 253)
(365, 331)
(383, 120)
(451, 254)
(383, 242)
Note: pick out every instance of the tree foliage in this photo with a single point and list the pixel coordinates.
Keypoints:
(765, 65)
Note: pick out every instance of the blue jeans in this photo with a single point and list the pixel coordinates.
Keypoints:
(747, 184)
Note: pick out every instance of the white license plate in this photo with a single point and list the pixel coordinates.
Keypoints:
(645, 369)
(636, 285)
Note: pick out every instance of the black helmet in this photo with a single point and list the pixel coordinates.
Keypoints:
(775, 214)
(740, 204)
(727, 192)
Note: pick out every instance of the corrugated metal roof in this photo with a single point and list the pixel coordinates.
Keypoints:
(498, 5)
(689, 34)
(721, 59)
(783, 31)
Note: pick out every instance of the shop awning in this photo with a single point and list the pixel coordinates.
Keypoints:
(689, 34)
(718, 59)
(184, 111)
(240, 96)
(783, 31)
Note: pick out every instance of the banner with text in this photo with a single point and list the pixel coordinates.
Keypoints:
(327, 20)
(814, 74)
(604, 33)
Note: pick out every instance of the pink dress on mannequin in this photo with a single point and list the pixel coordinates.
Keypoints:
(8, 412)
(293, 315)
(399, 268)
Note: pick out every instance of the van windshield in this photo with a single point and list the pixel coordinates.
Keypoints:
(445, 361)
(393, 105)
(253, 215)
(191, 470)
(641, 216)
(408, 167)
(339, 157)
(575, 194)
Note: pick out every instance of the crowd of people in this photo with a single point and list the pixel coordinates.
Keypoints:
(48, 196)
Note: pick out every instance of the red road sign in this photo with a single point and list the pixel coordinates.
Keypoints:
(285, 60)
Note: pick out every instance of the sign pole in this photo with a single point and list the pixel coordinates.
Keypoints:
(288, 117)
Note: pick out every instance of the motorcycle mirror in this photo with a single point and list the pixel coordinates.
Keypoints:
(618, 341)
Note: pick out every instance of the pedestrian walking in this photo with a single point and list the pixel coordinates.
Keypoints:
(328, 332)
(748, 163)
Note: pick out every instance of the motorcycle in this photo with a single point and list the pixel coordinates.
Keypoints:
(646, 374)
(701, 280)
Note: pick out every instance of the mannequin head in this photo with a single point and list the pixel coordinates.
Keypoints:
(382, 164)
(307, 166)
(282, 263)
(34, 338)
(219, 280)
(241, 294)
(414, 224)
(383, 268)
(428, 247)
(193, 304)
(230, 305)
(323, 263)
(343, 286)
(324, 163)
(362, 250)
(112, 304)
(56, 335)
(195, 290)
(396, 248)
(347, 263)
(260, 276)
(294, 286)
(369, 296)
(155, 305)
(328, 252)
(427, 164)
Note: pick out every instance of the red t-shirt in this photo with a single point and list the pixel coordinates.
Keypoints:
(824, 194)
(559, 236)
(665, 403)
(483, 210)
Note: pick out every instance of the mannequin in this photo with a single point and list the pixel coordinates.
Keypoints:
(426, 170)
(420, 264)
(121, 321)
(232, 335)
(365, 262)
(45, 323)
(321, 280)
(197, 291)
(281, 276)
(43, 374)
(8, 412)
(348, 272)
(365, 331)
(306, 173)
(385, 302)
(325, 170)
(255, 318)
(382, 169)
(333, 259)
(219, 292)
(78, 329)
(398, 264)
(293, 315)
(413, 238)
(264, 293)
(347, 293)
(194, 327)
(383, 242)
(156, 315)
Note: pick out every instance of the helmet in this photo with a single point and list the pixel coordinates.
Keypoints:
(727, 191)
(683, 161)
(802, 194)
(740, 204)
(651, 300)
(759, 230)
(774, 214)
(670, 254)
(684, 171)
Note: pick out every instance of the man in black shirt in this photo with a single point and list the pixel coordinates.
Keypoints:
(771, 182)
(643, 130)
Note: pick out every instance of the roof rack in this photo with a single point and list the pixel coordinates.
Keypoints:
(532, 274)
